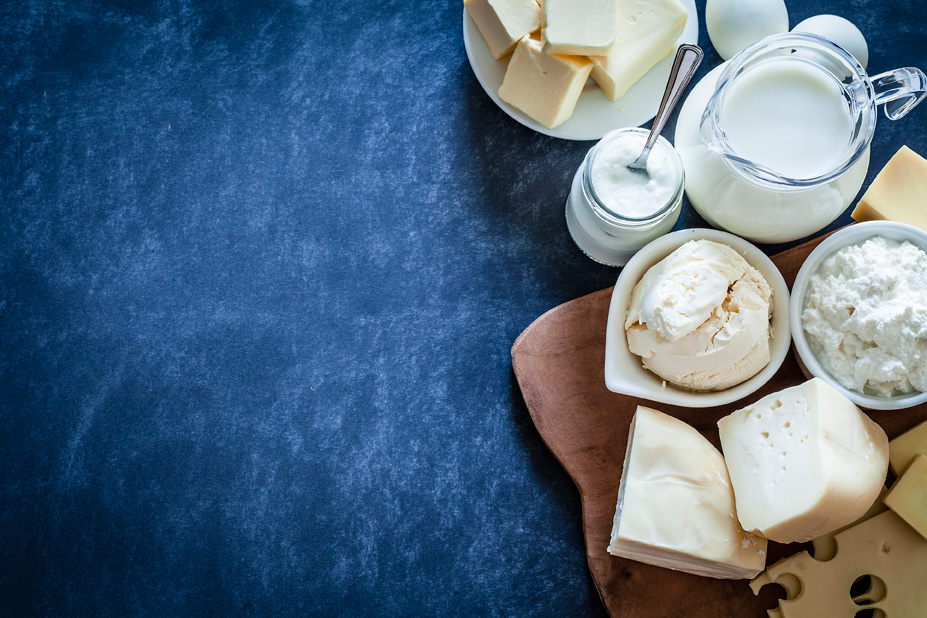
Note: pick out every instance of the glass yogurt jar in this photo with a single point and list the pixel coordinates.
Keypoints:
(613, 211)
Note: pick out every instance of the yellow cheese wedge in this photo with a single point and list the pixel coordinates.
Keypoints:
(884, 547)
(898, 193)
(647, 31)
(503, 22)
(903, 448)
(544, 86)
(908, 496)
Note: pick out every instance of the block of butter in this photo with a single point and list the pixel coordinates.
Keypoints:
(579, 27)
(544, 86)
(803, 462)
(647, 32)
(905, 447)
(908, 496)
(675, 505)
(504, 22)
(898, 193)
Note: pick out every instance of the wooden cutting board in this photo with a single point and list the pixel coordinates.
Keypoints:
(558, 362)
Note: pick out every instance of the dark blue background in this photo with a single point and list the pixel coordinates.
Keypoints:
(261, 265)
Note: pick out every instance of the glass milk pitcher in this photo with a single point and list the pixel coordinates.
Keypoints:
(775, 142)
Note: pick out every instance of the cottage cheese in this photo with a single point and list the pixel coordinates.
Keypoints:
(866, 317)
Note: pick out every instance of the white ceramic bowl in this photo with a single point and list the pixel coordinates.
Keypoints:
(851, 235)
(624, 371)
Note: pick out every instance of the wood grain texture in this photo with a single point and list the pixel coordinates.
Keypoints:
(558, 362)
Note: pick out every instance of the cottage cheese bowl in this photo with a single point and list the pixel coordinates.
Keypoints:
(625, 371)
(859, 314)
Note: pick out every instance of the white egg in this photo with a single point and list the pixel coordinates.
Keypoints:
(840, 31)
(735, 24)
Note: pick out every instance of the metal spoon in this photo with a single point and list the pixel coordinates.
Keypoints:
(687, 60)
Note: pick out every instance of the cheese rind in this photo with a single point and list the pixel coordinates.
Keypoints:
(544, 86)
(504, 22)
(906, 446)
(675, 505)
(908, 496)
(647, 32)
(803, 462)
(898, 193)
(579, 27)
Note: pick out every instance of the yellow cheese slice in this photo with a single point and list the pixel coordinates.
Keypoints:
(898, 193)
(884, 548)
(908, 496)
(902, 449)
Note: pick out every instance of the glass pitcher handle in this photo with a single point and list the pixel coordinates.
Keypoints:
(900, 90)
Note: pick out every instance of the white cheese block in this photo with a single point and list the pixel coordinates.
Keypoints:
(504, 22)
(803, 462)
(579, 27)
(675, 505)
(647, 32)
(546, 87)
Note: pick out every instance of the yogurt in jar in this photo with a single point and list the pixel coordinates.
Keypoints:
(627, 193)
(612, 212)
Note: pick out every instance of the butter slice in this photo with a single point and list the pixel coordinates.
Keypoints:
(898, 193)
(646, 34)
(546, 87)
(579, 27)
(504, 22)
(908, 496)
(675, 505)
(905, 447)
(803, 462)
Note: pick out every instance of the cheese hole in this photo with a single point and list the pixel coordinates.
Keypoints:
(783, 453)
(866, 590)
(778, 404)
(787, 425)
(765, 434)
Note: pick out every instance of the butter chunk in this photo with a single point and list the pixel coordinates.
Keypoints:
(546, 87)
(579, 27)
(908, 496)
(803, 462)
(647, 32)
(504, 22)
(675, 505)
(898, 193)
(906, 446)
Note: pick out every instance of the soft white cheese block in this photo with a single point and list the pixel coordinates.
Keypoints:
(804, 462)
(546, 87)
(504, 22)
(579, 27)
(647, 32)
(675, 504)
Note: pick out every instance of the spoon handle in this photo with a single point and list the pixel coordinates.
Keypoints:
(688, 57)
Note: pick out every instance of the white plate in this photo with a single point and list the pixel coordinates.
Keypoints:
(595, 115)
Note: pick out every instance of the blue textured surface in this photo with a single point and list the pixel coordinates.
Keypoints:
(261, 265)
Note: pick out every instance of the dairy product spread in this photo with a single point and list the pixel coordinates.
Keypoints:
(544, 86)
(803, 462)
(866, 317)
(625, 192)
(579, 26)
(675, 505)
(700, 317)
(504, 22)
(646, 33)
(898, 193)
